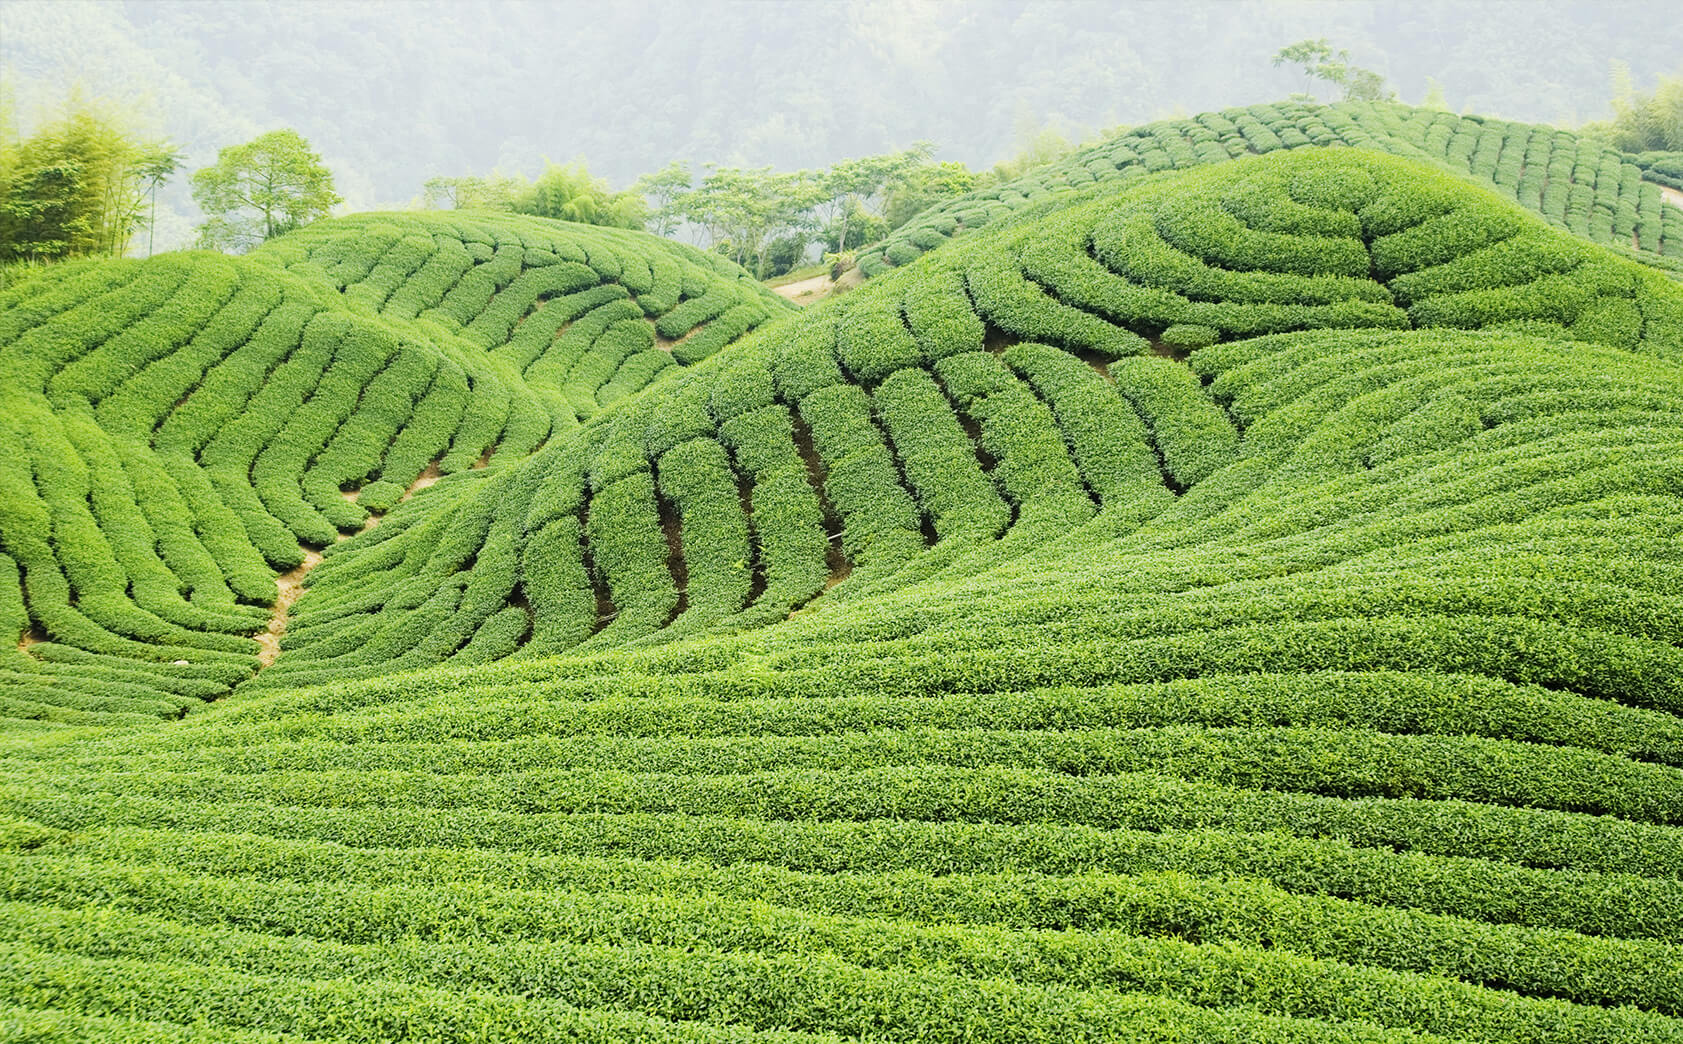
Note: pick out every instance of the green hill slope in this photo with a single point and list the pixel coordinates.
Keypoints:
(844, 444)
(1242, 605)
(1606, 196)
(178, 430)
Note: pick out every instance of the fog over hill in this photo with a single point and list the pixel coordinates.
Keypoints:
(392, 93)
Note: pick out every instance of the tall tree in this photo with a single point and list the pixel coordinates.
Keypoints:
(568, 192)
(77, 186)
(272, 184)
(743, 209)
(496, 191)
(1320, 62)
(1645, 122)
(859, 183)
(924, 186)
(662, 190)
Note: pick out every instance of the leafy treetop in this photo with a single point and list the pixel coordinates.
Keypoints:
(271, 184)
(76, 187)
(1321, 62)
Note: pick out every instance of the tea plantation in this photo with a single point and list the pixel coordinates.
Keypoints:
(1242, 603)
(1609, 197)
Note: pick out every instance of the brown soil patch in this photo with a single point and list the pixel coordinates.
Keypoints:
(672, 527)
(1671, 195)
(666, 344)
(32, 637)
(1173, 353)
(806, 291)
(422, 481)
(996, 341)
(1099, 363)
(289, 586)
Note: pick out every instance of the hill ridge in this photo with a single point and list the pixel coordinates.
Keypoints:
(1591, 190)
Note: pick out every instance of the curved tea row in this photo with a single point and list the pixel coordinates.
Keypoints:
(1246, 607)
(1605, 196)
(179, 430)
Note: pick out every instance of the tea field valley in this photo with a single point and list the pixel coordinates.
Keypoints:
(1227, 586)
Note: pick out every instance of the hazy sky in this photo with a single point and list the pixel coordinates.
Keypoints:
(394, 92)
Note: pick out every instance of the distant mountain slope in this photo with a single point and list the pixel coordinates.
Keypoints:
(176, 429)
(1594, 192)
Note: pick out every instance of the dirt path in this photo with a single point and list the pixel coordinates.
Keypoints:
(422, 481)
(290, 586)
(806, 291)
(1671, 195)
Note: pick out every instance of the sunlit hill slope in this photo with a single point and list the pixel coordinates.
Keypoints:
(1231, 603)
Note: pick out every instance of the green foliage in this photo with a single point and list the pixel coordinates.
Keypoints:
(569, 193)
(1575, 182)
(77, 186)
(937, 662)
(922, 187)
(496, 191)
(271, 184)
(742, 210)
(661, 191)
(1644, 122)
(1321, 62)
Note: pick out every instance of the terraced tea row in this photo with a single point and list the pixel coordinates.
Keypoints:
(1603, 195)
(523, 838)
(179, 430)
(1157, 620)
(909, 416)
(583, 315)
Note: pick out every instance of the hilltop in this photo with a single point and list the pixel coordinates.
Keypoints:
(1238, 602)
(1603, 195)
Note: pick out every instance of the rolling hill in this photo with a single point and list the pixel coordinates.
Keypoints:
(1603, 195)
(1231, 603)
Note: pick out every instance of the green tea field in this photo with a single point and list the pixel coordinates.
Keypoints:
(1214, 597)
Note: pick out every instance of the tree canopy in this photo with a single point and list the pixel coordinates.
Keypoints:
(272, 184)
(566, 192)
(1646, 122)
(1321, 62)
(77, 186)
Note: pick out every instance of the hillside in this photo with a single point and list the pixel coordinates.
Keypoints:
(1235, 603)
(179, 429)
(1606, 196)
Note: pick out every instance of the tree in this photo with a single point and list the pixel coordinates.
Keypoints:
(570, 193)
(1321, 62)
(661, 190)
(272, 184)
(1037, 146)
(741, 210)
(1645, 122)
(853, 184)
(496, 191)
(924, 186)
(1434, 96)
(76, 187)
